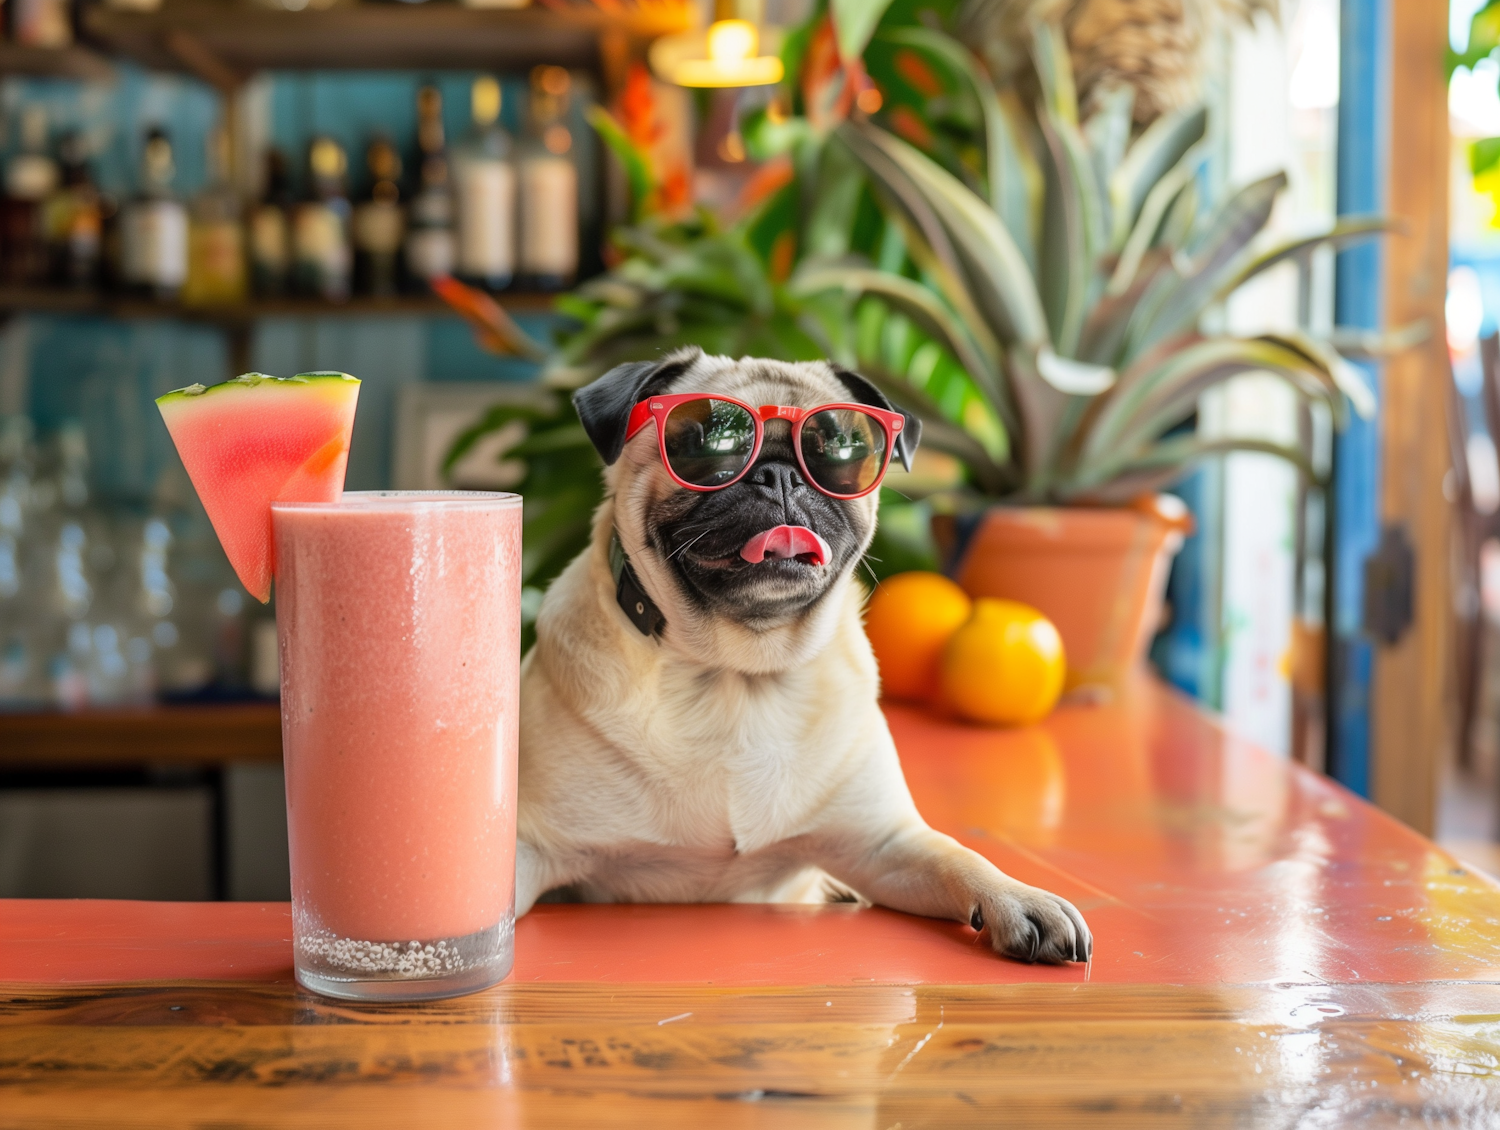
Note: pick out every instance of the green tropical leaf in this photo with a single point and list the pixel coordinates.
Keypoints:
(855, 21)
(635, 163)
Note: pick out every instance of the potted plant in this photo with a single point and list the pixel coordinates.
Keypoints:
(1068, 265)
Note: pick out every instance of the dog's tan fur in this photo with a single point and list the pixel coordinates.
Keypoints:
(725, 762)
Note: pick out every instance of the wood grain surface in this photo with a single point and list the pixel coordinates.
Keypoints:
(874, 1056)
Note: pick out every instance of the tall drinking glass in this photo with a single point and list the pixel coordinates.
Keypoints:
(399, 621)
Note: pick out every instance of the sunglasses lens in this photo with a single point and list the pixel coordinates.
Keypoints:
(843, 449)
(708, 442)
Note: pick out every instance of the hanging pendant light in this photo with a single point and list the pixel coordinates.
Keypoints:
(728, 53)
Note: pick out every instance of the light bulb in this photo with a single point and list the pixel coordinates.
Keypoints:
(732, 41)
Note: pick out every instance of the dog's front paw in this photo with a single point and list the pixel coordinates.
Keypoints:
(1030, 924)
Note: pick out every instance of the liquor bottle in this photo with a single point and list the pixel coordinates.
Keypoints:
(270, 235)
(154, 226)
(485, 177)
(320, 226)
(429, 240)
(30, 177)
(75, 218)
(41, 23)
(379, 223)
(549, 185)
(216, 238)
(22, 620)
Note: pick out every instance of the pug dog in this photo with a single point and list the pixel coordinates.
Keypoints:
(699, 715)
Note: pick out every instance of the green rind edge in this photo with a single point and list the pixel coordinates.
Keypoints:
(250, 380)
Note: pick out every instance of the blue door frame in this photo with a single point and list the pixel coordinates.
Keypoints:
(1364, 127)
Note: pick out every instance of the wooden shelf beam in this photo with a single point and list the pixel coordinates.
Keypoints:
(217, 42)
(43, 300)
(54, 62)
(152, 735)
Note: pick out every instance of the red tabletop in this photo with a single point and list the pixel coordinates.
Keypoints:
(1197, 859)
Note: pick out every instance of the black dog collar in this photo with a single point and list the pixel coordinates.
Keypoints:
(630, 594)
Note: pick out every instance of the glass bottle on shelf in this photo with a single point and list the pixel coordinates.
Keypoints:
(22, 681)
(75, 218)
(30, 177)
(485, 182)
(549, 185)
(379, 223)
(41, 23)
(320, 226)
(270, 234)
(216, 238)
(429, 237)
(64, 567)
(154, 226)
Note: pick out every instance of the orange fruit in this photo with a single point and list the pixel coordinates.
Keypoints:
(1004, 665)
(909, 620)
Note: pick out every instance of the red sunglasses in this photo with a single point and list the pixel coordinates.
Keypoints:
(709, 442)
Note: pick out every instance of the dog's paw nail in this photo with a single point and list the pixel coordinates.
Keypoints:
(976, 919)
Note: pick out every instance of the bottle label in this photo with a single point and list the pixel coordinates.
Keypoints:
(155, 243)
(486, 219)
(549, 217)
(378, 227)
(268, 248)
(322, 246)
(429, 252)
(216, 262)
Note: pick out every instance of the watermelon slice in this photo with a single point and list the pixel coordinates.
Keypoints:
(256, 440)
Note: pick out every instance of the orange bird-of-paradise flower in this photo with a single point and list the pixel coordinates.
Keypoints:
(494, 329)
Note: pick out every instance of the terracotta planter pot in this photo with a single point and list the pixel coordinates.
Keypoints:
(1098, 574)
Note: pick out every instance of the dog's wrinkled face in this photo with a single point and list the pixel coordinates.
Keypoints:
(728, 554)
(708, 537)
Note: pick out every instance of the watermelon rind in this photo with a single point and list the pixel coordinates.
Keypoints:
(250, 380)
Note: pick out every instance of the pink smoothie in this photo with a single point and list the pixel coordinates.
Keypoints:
(399, 622)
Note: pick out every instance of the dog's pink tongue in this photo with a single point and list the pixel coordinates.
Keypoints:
(784, 542)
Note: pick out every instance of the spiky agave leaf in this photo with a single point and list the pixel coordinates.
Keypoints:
(979, 354)
(1164, 462)
(1159, 149)
(1163, 389)
(1175, 301)
(1009, 165)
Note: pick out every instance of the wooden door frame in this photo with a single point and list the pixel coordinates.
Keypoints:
(1414, 679)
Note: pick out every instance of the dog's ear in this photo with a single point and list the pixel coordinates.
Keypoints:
(604, 405)
(866, 393)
